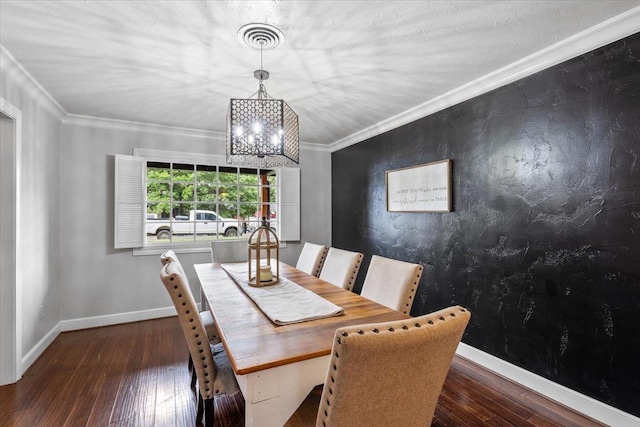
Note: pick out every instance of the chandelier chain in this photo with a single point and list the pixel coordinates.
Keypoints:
(261, 47)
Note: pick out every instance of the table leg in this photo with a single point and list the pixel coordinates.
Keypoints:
(273, 395)
(203, 300)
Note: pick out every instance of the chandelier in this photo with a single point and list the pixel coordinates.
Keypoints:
(261, 131)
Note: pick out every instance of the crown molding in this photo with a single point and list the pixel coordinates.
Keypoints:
(606, 32)
(311, 146)
(131, 126)
(15, 72)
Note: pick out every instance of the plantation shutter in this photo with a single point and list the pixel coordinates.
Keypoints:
(129, 202)
(289, 199)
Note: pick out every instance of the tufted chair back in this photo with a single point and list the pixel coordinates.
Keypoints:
(392, 283)
(341, 267)
(311, 258)
(209, 383)
(390, 374)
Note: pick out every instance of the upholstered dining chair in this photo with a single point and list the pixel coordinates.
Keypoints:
(205, 315)
(341, 267)
(311, 258)
(229, 251)
(210, 362)
(386, 374)
(392, 283)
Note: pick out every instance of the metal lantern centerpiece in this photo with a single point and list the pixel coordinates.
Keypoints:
(263, 241)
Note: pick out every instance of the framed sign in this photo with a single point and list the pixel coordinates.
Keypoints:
(421, 188)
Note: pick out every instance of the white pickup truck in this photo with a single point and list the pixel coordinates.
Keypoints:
(204, 222)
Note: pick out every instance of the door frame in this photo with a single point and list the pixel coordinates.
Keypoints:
(11, 335)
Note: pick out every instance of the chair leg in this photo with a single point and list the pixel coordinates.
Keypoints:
(190, 363)
(209, 412)
(200, 410)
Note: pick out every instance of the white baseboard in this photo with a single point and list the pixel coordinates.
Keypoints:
(115, 319)
(38, 349)
(570, 398)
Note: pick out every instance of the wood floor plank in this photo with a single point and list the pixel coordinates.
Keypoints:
(556, 412)
(444, 418)
(500, 422)
(78, 390)
(465, 400)
(7, 405)
(495, 402)
(465, 414)
(136, 375)
(131, 406)
(542, 421)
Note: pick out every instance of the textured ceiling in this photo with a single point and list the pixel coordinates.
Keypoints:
(345, 65)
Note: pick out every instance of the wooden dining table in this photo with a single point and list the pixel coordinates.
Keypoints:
(277, 366)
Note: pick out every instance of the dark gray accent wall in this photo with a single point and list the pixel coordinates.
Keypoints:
(543, 244)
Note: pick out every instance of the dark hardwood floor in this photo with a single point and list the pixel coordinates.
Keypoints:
(136, 375)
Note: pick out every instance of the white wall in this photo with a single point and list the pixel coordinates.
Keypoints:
(97, 280)
(40, 206)
(315, 203)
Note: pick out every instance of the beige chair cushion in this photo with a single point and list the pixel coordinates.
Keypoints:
(392, 283)
(386, 374)
(212, 372)
(341, 267)
(311, 258)
(207, 318)
(210, 326)
(225, 381)
(229, 251)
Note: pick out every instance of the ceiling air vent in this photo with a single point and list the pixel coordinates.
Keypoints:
(261, 36)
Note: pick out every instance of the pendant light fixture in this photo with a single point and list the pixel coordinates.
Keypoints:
(261, 131)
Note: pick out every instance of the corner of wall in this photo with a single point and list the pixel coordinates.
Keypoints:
(14, 71)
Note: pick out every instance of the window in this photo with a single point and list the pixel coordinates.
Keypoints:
(196, 202)
(166, 199)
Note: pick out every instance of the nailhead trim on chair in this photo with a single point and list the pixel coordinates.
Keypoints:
(374, 330)
(321, 263)
(200, 343)
(170, 256)
(412, 293)
(354, 273)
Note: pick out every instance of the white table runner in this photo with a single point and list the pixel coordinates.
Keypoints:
(285, 302)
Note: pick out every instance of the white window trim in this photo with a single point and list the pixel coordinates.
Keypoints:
(292, 204)
(180, 157)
